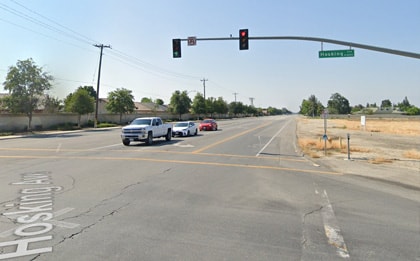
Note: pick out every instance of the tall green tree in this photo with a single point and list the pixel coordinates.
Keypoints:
(210, 107)
(236, 108)
(27, 84)
(80, 102)
(199, 104)
(404, 105)
(180, 103)
(120, 101)
(90, 90)
(221, 106)
(386, 103)
(311, 107)
(338, 104)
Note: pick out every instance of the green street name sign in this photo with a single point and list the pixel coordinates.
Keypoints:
(336, 53)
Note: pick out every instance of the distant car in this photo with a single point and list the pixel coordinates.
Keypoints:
(208, 124)
(184, 128)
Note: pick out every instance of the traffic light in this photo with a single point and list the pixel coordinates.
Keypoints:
(176, 48)
(243, 39)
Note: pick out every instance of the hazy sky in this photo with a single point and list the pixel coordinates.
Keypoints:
(59, 36)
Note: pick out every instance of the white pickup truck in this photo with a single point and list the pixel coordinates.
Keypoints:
(146, 129)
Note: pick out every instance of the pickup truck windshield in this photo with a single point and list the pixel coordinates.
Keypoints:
(141, 122)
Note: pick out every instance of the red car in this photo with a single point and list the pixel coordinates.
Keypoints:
(208, 124)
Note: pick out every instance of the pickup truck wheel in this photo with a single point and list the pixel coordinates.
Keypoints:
(126, 142)
(149, 140)
(168, 135)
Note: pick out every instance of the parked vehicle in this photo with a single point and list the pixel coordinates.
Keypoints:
(146, 129)
(208, 124)
(184, 128)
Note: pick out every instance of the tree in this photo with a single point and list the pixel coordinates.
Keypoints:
(236, 108)
(120, 101)
(413, 110)
(80, 102)
(180, 103)
(357, 108)
(90, 90)
(275, 111)
(221, 106)
(52, 104)
(26, 83)
(199, 104)
(146, 100)
(311, 107)
(404, 105)
(210, 106)
(386, 103)
(337, 104)
(159, 101)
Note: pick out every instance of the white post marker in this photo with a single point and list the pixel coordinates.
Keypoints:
(363, 122)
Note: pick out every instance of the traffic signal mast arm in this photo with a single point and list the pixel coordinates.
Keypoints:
(321, 40)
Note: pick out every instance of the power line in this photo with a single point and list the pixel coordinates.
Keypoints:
(55, 27)
(68, 32)
(147, 67)
(38, 22)
(87, 39)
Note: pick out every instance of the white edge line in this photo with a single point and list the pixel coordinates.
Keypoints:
(332, 230)
(272, 138)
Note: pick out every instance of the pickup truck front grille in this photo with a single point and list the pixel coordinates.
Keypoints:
(133, 133)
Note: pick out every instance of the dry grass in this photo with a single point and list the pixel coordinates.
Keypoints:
(380, 161)
(312, 144)
(412, 154)
(391, 126)
(312, 147)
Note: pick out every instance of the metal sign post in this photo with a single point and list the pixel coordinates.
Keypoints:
(325, 115)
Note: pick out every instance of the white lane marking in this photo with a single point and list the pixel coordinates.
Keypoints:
(272, 138)
(332, 230)
(183, 145)
(57, 223)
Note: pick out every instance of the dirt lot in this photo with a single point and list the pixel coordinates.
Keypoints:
(393, 141)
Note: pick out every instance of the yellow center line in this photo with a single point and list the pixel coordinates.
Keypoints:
(177, 162)
(163, 152)
(230, 138)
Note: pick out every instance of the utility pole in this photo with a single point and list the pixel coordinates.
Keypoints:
(235, 93)
(204, 86)
(99, 79)
(252, 101)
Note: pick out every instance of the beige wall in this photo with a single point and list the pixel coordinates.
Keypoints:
(19, 122)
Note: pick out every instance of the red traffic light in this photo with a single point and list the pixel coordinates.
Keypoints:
(243, 39)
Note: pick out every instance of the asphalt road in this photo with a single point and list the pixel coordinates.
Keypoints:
(243, 192)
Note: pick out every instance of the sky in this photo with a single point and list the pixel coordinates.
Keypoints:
(60, 36)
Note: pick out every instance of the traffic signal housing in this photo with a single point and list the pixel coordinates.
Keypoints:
(243, 39)
(176, 48)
